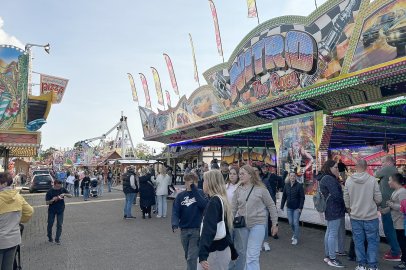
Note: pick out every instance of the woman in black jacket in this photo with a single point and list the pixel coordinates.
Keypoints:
(335, 210)
(293, 196)
(147, 193)
(215, 254)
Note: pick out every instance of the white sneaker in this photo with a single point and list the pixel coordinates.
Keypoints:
(266, 246)
(293, 237)
(294, 241)
(158, 216)
(326, 259)
(360, 267)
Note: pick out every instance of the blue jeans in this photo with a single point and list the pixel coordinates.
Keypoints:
(129, 199)
(340, 247)
(86, 192)
(59, 222)
(293, 217)
(390, 233)
(162, 205)
(109, 183)
(76, 191)
(331, 238)
(240, 237)
(368, 229)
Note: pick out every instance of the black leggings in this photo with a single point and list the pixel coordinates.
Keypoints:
(146, 210)
(400, 235)
(7, 258)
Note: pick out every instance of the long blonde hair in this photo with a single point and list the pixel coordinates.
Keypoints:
(216, 187)
(254, 178)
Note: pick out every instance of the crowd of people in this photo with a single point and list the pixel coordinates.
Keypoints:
(226, 223)
(225, 226)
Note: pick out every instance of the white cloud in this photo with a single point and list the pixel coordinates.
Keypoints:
(7, 39)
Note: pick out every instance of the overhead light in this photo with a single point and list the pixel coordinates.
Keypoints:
(47, 48)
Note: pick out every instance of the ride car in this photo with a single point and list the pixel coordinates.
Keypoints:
(41, 182)
(396, 37)
(383, 22)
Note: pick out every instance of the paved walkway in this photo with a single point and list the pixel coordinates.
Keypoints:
(96, 237)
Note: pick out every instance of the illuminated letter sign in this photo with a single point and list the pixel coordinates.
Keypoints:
(296, 108)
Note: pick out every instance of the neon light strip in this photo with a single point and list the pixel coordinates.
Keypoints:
(371, 106)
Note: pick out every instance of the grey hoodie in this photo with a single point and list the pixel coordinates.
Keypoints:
(361, 196)
(384, 173)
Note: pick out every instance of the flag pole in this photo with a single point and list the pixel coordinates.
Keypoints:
(257, 11)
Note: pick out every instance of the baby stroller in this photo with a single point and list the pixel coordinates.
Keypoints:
(93, 188)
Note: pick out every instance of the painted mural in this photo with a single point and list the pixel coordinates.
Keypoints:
(254, 155)
(13, 84)
(286, 57)
(372, 154)
(201, 104)
(383, 36)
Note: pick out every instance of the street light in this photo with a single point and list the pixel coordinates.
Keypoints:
(28, 47)
(46, 47)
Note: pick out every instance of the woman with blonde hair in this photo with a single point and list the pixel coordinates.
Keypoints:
(250, 205)
(216, 253)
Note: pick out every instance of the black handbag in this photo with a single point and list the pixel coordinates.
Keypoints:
(239, 222)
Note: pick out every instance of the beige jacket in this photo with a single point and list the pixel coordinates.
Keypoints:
(397, 216)
(256, 208)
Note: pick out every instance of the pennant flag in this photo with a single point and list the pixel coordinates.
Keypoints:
(133, 89)
(168, 98)
(252, 9)
(194, 60)
(146, 91)
(171, 73)
(158, 87)
(216, 28)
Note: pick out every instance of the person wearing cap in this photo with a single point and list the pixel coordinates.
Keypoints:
(130, 189)
(55, 198)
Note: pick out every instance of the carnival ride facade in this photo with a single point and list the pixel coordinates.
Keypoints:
(308, 88)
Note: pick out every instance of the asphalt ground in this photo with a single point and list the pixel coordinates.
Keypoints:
(95, 236)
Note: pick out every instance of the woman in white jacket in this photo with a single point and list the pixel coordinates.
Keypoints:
(162, 181)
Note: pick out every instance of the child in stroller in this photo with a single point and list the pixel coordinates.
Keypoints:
(93, 188)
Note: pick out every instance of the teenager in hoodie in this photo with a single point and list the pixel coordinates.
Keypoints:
(187, 215)
(361, 197)
(13, 211)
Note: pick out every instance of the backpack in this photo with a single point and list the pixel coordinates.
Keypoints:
(320, 202)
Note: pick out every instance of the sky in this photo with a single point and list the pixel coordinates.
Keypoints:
(95, 44)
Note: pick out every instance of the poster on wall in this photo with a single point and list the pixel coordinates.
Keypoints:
(295, 140)
(253, 156)
(13, 83)
(383, 36)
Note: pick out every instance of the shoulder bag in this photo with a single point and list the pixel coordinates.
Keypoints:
(239, 222)
(221, 226)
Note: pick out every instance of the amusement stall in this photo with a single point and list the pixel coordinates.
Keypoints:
(21, 113)
(301, 90)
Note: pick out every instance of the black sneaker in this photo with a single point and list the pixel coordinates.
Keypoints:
(125, 216)
(402, 265)
(58, 242)
(50, 240)
(335, 263)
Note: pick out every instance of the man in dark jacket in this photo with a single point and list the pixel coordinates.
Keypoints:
(130, 188)
(187, 215)
(293, 194)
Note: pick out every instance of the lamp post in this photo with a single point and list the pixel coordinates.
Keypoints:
(28, 47)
